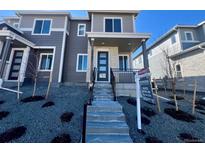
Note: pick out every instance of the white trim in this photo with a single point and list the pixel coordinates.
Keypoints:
(81, 24)
(34, 23)
(188, 32)
(10, 62)
(113, 24)
(40, 59)
(189, 41)
(128, 60)
(96, 62)
(62, 51)
(81, 54)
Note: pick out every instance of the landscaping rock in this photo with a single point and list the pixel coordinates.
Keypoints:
(151, 139)
(131, 101)
(3, 114)
(12, 134)
(63, 138)
(66, 117)
(188, 138)
(148, 111)
(2, 102)
(47, 104)
(33, 99)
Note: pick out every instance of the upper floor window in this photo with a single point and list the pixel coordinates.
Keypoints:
(42, 26)
(178, 71)
(46, 60)
(173, 39)
(81, 29)
(82, 63)
(189, 36)
(123, 62)
(113, 25)
(16, 25)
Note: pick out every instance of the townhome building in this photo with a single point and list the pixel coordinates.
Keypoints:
(184, 47)
(73, 50)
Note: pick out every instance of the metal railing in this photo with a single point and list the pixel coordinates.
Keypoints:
(89, 102)
(124, 75)
(113, 83)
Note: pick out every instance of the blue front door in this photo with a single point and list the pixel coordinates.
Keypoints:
(102, 66)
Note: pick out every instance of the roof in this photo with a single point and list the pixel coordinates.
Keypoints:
(14, 28)
(79, 18)
(136, 12)
(18, 13)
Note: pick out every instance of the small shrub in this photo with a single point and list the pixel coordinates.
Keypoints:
(47, 104)
(3, 114)
(151, 139)
(148, 111)
(131, 101)
(12, 134)
(188, 138)
(63, 138)
(33, 99)
(180, 115)
(66, 117)
(2, 102)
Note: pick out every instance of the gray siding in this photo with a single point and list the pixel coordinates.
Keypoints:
(74, 45)
(98, 22)
(27, 21)
(55, 39)
(11, 21)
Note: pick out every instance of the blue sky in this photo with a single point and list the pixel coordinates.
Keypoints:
(154, 22)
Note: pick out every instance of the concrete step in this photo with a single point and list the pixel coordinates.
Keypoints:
(106, 103)
(102, 92)
(103, 99)
(97, 138)
(105, 117)
(104, 109)
(99, 124)
(102, 85)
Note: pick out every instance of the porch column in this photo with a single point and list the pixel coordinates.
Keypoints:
(92, 55)
(5, 52)
(145, 54)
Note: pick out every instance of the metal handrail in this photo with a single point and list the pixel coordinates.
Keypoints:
(113, 83)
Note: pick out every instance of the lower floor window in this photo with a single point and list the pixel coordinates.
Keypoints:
(123, 63)
(82, 62)
(178, 71)
(46, 60)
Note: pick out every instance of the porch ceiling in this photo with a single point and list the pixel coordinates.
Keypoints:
(127, 42)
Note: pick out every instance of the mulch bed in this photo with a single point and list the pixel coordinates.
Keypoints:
(148, 112)
(177, 97)
(47, 104)
(66, 117)
(188, 138)
(2, 102)
(33, 99)
(12, 134)
(180, 115)
(131, 101)
(63, 138)
(151, 139)
(3, 114)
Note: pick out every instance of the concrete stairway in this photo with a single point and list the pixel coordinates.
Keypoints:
(105, 119)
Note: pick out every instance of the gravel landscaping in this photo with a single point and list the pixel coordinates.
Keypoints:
(166, 127)
(40, 121)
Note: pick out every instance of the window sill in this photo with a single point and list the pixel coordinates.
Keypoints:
(187, 41)
(78, 71)
(44, 70)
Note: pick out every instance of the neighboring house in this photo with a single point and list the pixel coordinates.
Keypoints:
(185, 47)
(67, 46)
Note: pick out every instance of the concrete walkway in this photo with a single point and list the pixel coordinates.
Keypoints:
(105, 119)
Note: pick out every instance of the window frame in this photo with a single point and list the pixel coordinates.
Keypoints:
(43, 19)
(40, 60)
(192, 36)
(128, 61)
(77, 62)
(78, 30)
(104, 26)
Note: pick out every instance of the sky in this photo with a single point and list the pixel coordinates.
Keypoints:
(151, 21)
